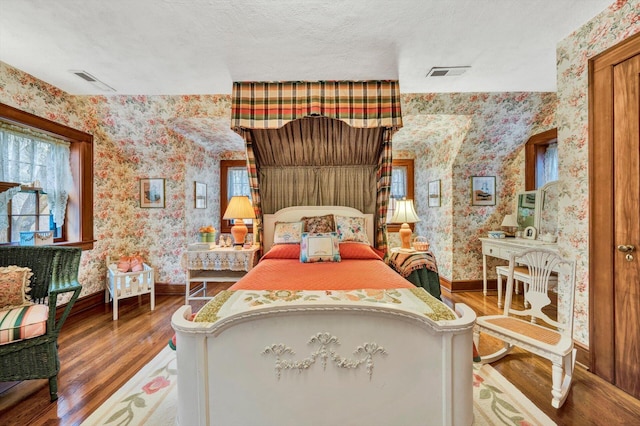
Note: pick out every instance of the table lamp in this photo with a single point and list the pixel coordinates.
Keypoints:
(510, 222)
(405, 214)
(239, 208)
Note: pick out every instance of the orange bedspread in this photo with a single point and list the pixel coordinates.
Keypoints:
(349, 274)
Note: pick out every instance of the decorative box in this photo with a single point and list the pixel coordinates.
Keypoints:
(36, 238)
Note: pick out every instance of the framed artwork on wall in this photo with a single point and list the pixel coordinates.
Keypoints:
(483, 190)
(152, 193)
(434, 193)
(200, 195)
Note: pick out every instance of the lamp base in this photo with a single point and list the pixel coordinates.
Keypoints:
(405, 236)
(239, 231)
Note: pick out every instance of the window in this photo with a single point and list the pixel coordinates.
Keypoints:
(28, 210)
(401, 187)
(32, 205)
(234, 180)
(541, 159)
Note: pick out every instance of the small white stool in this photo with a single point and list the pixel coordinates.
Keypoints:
(121, 285)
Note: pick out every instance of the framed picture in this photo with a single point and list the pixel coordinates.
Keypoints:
(152, 193)
(434, 193)
(200, 195)
(483, 190)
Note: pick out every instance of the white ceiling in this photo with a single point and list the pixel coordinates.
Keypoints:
(201, 46)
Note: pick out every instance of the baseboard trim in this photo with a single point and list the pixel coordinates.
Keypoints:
(583, 356)
(466, 285)
(90, 301)
(166, 289)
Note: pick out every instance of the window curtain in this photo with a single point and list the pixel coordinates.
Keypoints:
(551, 163)
(27, 157)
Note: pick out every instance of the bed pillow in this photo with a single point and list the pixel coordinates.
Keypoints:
(351, 229)
(319, 247)
(14, 286)
(283, 251)
(287, 232)
(318, 224)
(358, 251)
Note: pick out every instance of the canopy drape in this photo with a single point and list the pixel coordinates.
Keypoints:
(295, 157)
(271, 105)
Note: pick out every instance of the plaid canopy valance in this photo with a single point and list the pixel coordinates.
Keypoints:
(271, 105)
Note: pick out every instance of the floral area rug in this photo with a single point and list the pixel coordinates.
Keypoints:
(150, 398)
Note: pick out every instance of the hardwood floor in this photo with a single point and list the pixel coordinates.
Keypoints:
(99, 355)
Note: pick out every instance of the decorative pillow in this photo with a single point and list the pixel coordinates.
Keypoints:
(283, 251)
(319, 247)
(14, 285)
(287, 233)
(351, 229)
(358, 251)
(318, 224)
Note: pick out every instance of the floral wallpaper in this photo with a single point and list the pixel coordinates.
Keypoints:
(471, 134)
(459, 135)
(616, 23)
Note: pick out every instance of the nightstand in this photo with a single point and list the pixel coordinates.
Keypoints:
(220, 264)
(418, 267)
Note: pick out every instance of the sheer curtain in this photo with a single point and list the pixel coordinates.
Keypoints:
(26, 157)
(551, 163)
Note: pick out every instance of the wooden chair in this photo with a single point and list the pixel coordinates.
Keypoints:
(520, 275)
(532, 329)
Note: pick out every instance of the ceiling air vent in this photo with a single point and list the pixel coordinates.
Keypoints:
(446, 71)
(91, 79)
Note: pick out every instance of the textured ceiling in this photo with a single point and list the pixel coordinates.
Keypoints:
(201, 46)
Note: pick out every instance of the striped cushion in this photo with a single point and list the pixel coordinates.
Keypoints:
(23, 323)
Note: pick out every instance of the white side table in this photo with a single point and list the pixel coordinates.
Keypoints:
(220, 264)
(121, 285)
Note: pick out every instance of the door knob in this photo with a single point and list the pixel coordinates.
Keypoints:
(626, 248)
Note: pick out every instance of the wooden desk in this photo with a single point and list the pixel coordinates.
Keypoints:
(502, 248)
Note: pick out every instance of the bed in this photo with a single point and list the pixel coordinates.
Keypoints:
(346, 342)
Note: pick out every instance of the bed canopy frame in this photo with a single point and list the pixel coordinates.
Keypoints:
(319, 143)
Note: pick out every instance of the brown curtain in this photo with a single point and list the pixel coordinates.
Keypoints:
(317, 161)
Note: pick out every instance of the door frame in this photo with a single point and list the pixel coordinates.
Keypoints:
(601, 192)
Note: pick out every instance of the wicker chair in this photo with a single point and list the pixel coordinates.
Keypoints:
(532, 329)
(55, 272)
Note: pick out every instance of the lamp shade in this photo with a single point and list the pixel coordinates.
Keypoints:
(510, 221)
(239, 208)
(404, 212)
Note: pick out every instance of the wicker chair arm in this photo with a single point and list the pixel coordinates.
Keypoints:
(64, 280)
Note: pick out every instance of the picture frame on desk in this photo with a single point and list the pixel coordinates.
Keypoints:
(483, 190)
(200, 195)
(152, 193)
